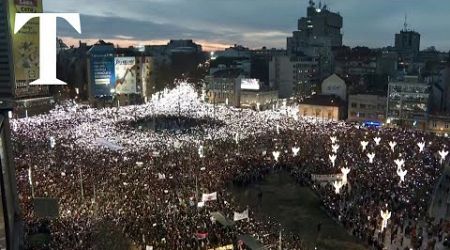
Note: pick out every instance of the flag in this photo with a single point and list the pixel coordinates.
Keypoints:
(161, 176)
(149, 248)
(201, 204)
(209, 197)
(241, 216)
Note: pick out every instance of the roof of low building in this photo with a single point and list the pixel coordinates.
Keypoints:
(324, 100)
(228, 73)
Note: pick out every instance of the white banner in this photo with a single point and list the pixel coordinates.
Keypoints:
(108, 144)
(241, 216)
(209, 197)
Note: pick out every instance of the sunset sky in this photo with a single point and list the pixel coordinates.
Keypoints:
(217, 24)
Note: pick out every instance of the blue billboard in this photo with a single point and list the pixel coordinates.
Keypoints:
(102, 70)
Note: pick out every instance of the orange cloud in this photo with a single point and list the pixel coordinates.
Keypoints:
(206, 45)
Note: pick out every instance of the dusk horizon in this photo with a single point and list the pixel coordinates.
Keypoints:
(222, 24)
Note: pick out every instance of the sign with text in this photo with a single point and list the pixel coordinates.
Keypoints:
(25, 49)
(126, 70)
(102, 70)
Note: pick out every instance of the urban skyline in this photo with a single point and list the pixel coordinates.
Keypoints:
(242, 23)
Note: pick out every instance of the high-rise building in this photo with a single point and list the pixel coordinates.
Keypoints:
(407, 42)
(316, 35)
(11, 229)
(320, 23)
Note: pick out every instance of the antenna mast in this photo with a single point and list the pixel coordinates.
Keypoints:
(405, 25)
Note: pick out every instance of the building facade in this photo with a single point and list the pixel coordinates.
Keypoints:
(322, 107)
(123, 75)
(293, 76)
(258, 100)
(439, 124)
(28, 99)
(316, 35)
(237, 51)
(224, 90)
(408, 102)
(440, 82)
(334, 85)
(407, 43)
(319, 23)
(387, 63)
(366, 107)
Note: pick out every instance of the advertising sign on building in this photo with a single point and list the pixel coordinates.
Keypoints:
(250, 84)
(25, 49)
(126, 69)
(101, 71)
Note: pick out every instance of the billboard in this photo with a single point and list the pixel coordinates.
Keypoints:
(101, 70)
(250, 84)
(25, 49)
(126, 69)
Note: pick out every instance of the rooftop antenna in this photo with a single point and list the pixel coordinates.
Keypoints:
(405, 25)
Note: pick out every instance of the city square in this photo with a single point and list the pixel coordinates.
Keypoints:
(220, 125)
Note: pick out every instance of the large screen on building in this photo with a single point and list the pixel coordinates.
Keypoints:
(250, 84)
(25, 49)
(102, 73)
(126, 69)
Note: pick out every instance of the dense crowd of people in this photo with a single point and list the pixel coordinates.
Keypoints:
(117, 183)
